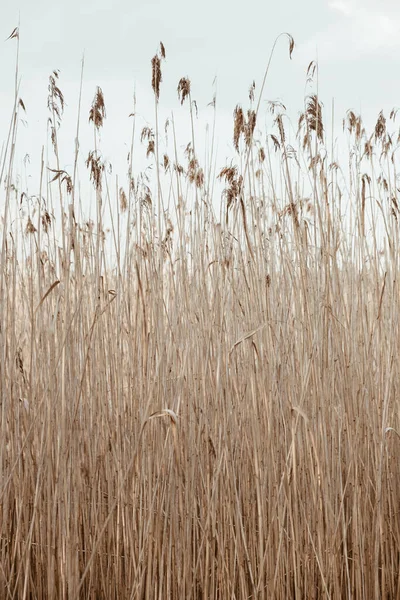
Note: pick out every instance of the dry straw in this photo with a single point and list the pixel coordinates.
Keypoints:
(272, 330)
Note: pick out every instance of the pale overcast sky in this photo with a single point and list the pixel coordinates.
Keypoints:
(357, 44)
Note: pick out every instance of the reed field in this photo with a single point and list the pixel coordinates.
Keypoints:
(210, 410)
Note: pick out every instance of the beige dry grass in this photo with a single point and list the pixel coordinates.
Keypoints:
(217, 417)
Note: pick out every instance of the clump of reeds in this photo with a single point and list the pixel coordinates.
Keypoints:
(270, 334)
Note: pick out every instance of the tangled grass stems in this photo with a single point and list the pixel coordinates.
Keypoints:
(273, 334)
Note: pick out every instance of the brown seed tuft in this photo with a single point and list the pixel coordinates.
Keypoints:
(150, 148)
(96, 167)
(275, 105)
(147, 134)
(380, 127)
(166, 162)
(291, 45)
(156, 75)
(276, 142)
(46, 221)
(281, 129)
(179, 169)
(250, 126)
(97, 112)
(63, 176)
(123, 202)
(30, 228)
(162, 50)
(183, 89)
(252, 89)
(314, 116)
(238, 126)
(311, 71)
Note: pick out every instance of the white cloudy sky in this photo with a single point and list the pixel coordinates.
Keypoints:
(357, 44)
(359, 28)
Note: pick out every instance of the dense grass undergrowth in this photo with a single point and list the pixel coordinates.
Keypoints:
(215, 412)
